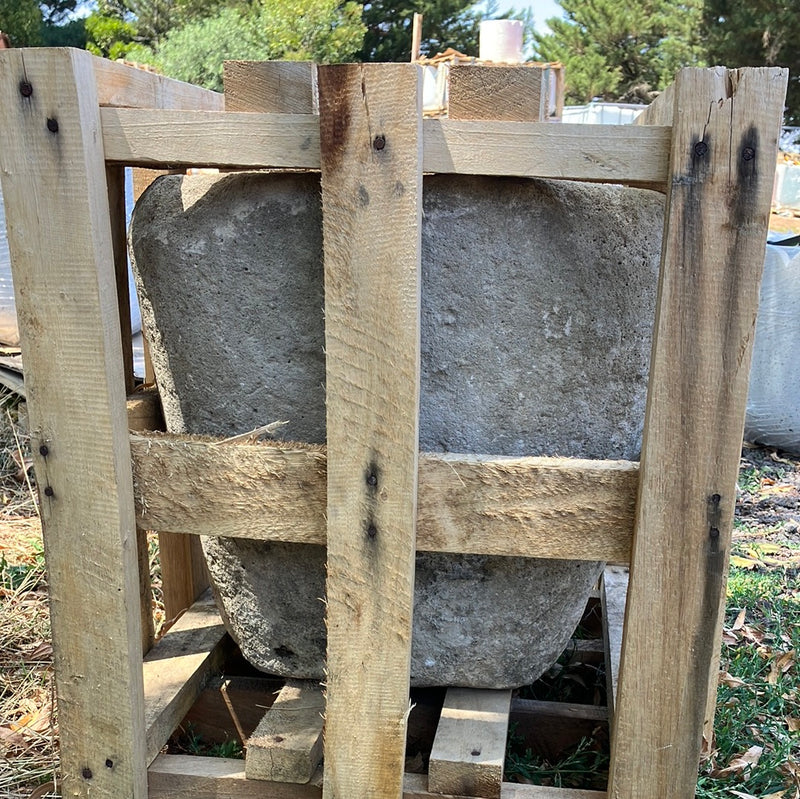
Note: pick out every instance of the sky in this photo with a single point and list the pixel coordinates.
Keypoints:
(542, 10)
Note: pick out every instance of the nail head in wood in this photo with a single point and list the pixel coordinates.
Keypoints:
(52, 125)
(44, 450)
(700, 149)
(25, 88)
(748, 154)
(379, 142)
(48, 491)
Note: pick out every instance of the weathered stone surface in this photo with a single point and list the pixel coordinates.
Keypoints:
(537, 313)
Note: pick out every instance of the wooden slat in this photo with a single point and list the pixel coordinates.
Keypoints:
(124, 86)
(210, 138)
(179, 776)
(725, 131)
(144, 411)
(541, 507)
(613, 595)
(470, 745)
(57, 214)
(285, 87)
(176, 668)
(287, 744)
(609, 153)
(496, 93)
(371, 145)
(660, 111)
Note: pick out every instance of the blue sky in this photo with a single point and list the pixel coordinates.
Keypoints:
(542, 10)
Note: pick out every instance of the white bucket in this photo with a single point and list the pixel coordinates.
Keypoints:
(501, 41)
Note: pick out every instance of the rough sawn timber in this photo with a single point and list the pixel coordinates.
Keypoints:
(610, 154)
(371, 144)
(496, 92)
(179, 776)
(59, 234)
(470, 745)
(725, 132)
(526, 507)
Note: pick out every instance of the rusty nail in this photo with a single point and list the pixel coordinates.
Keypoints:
(748, 153)
(44, 451)
(48, 491)
(700, 149)
(86, 773)
(714, 533)
(52, 125)
(379, 142)
(109, 763)
(25, 88)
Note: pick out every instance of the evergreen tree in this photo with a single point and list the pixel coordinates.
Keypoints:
(22, 21)
(622, 49)
(757, 33)
(445, 23)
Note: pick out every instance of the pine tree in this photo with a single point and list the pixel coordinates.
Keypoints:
(622, 49)
(757, 33)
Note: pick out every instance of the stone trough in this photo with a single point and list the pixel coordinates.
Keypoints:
(537, 308)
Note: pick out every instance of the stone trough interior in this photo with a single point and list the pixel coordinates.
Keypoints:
(537, 309)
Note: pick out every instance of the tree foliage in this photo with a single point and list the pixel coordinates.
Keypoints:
(445, 23)
(316, 30)
(22, 21)
(757, 33)
(622, 49)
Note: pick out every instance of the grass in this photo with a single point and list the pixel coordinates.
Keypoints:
(755, 753)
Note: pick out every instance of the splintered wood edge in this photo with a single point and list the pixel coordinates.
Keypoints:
(534, 507)
(171, 776)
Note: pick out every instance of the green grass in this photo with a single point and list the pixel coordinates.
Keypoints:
(756, 705)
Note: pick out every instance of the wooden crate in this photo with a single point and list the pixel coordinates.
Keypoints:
(71, 121)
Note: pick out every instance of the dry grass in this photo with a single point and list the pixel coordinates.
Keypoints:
(28, 728)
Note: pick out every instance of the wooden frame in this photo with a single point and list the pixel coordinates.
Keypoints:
(67, 115)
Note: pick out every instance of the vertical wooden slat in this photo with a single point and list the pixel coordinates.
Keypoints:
(370, 130)
(271, 87)
(56, 201)
(514, 94)
(725, 131)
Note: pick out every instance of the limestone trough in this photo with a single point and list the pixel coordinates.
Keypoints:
(537, 308)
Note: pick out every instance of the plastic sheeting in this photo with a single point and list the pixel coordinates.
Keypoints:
(773, 402)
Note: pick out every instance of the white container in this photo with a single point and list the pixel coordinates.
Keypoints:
(501, 41)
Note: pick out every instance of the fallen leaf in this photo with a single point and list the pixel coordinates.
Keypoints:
(739, 623)
(729, 637)
(793, 724)
(745, 563)
(742, 762)
(730, 681)
(743, 795)
(780, 665)
(777, 458)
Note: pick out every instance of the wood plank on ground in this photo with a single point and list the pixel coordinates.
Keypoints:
(287, 744)
(178, 776)
(470, 745)
(545, 507)
(371, 143)
(495, 92)
(636, 155)
(613, 595)
(287, 87)
(725, 131)
(176, 668)
(56, 204)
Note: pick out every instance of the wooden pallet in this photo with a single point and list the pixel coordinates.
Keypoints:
(71, 121)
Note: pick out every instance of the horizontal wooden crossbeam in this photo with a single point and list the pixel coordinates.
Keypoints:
(243, 140)
(526, 507)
